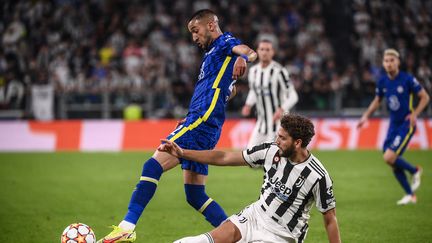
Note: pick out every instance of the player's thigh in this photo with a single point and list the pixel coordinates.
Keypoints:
(226, 232)
(166, 160)
(191, 177)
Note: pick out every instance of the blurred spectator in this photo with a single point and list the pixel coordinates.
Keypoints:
(141, 51)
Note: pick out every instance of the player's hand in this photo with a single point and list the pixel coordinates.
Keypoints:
(278, 114)
(246, 110)
(171, 148)
(239, 68)
(362, 121)
(412, 118)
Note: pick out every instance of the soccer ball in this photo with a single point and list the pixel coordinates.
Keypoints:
(78, 233)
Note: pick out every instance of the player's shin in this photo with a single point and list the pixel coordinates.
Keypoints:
(197, 198)
(403, 164)
(144, 191)
(401, 177)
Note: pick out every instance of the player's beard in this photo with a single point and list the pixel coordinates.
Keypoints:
(289, 152)
(207, 41)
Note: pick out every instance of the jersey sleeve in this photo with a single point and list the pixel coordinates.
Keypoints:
(379, 88)
(323, 194)
(289, 94)
(229, 42)
(414, 85)
(255, 156)
(251, 97)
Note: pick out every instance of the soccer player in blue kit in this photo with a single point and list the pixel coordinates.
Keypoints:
(398, 88)
(224, 61)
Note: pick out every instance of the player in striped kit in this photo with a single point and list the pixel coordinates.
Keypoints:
(294, 180)
(270, 91)
(398, 88)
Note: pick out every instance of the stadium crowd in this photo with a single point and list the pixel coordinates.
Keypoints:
(141, 51)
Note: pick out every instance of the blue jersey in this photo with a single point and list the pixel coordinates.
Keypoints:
(203, 124)
(399, 95)
(214, 86)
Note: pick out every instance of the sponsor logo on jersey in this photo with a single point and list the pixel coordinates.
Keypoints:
(393, 103)
(330, 191)
(280, 189)
(201, 75)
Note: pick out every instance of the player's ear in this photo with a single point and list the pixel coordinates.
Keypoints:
(211, 26)
(298, 143)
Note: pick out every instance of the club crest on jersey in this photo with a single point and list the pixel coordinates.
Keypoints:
(300, 181)
(400, 89)
(276, 159)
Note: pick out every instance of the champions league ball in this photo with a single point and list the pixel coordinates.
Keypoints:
(78, 233)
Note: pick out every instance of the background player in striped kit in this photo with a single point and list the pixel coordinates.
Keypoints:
(294, 179)
(223, 62)
(270, 91)
(398, 88)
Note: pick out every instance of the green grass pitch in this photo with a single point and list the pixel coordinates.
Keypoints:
(42, 193)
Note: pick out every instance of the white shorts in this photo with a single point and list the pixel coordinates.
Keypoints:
(254, 229)
(257, 138)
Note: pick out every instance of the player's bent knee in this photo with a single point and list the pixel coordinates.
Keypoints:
(389, 159)
(226, 232)
(166, 160)
(195, 195)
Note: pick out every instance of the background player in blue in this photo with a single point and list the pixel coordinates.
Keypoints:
(398, 88)
(224, 61)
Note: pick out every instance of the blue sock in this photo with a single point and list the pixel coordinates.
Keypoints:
(144, 190)
(401, 177)
(403, 164)
(198, 199)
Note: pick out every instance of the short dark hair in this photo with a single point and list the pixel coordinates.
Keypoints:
(298, 127)
(203, 13)
(265, 40)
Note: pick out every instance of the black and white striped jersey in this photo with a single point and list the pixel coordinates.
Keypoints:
(269, 89)
(289, 190)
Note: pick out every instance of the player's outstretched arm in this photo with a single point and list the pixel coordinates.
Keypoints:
(245, 51)
(331, 225)
(211, 157)
(371, 109)
(245, 54)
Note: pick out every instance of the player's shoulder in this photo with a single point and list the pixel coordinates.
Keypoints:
(254, 67)
(226, 37)
(276, 65)
(406, 76)
(261, 147)
(383, 78)
(316, 166)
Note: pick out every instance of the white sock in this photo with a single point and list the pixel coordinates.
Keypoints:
(203, 238)
(127, 225)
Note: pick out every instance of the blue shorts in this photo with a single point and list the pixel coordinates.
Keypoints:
(196, 140)
(398, 137)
